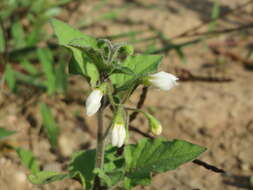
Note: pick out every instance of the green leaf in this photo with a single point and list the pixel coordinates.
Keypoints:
(103, 176)
(113, 171)
(44, 177)
(142, 65)
(121, 69)
(49, 123)
(51, 12)
(46, 59)
(5, 133)
(35, 35)
(93, 73)
(10, 78)
(180, 52)
(76, 69)
(156, 156)
(37, 6)
(30, 80)
(2, 40)
(18, 35)
(83, 164)
(110, 178)
(215, 15)
(61, 78)
(29, 67)
(90, 70)
(67, 35)
(89, 54)
(28, 160)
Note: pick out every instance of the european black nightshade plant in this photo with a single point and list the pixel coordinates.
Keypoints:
(114, 72)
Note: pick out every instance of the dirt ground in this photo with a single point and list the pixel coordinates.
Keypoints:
(213, 113)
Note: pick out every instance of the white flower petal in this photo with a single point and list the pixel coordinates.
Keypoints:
(115, 136)
(122, 136)
(92, 109)
(163, 80)
(118, 135)
(93, 102)
(156, 130)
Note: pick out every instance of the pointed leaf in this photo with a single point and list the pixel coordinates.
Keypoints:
(46, 59)
(5, 133)
(45, 177)
(10, 78)
(157, 156)
(28, 160)
(18, 35)
(83, 164)
(2, 39)
(122, 69)
(90, 54)
(61, 78)
(49, 123)
(142, 65)
(29, 67)
(67, 35)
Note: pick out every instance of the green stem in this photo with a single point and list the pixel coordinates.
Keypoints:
(137, 110)
(110, 94)
(99, 160)
(100, 140)
(134, 109)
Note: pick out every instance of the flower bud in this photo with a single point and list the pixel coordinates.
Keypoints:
(164, 81)
(154, 125)
(93, 102)
(127, 50)
(118, 134)
(118, 129)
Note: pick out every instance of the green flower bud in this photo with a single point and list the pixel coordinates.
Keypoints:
(126, 50)
(154, 125)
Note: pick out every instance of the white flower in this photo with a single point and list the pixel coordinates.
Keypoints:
(118, 134)
(163, 80)
(93, 102)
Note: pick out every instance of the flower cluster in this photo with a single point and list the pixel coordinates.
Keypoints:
(162, 80)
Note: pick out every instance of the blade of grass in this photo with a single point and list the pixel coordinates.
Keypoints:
(5, 133)
(50, 125)
(46, 58)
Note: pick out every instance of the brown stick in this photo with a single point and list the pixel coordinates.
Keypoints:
(235, 57)
(186, 33)
(140, 103)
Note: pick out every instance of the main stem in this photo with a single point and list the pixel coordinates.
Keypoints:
(100, 144)
(100, 140)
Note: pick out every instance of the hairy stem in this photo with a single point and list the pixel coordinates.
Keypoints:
(100, 142)
(99, 162)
